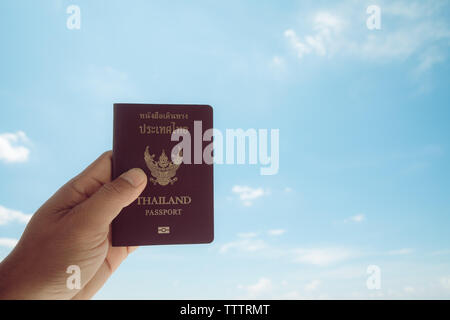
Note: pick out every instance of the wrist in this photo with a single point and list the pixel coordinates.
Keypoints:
(16, 283)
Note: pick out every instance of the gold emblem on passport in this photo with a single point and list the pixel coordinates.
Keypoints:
(163, 230)
(163, 170)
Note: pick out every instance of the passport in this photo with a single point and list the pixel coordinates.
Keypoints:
(177, 205)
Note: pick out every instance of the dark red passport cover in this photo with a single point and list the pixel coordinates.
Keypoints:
(176, 207)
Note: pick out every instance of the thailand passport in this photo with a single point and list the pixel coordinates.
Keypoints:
(173, 145)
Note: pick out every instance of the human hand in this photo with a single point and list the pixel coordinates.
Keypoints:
(72, 228)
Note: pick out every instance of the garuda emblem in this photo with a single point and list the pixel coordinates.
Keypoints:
(163, 170)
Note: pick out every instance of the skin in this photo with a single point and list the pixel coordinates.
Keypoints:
(72, 228)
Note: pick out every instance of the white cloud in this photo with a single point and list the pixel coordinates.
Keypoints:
(276, 232)
(347, 272)
(428, 60)
(417, 30)
(246, 244)
(247, 194)
(288, 189)
(400, 252)
(325, 26)
(10, 148)
(321, 256)
(292, 295)
(9, 215)
(313, 285)
(357, 218)
(296, 44)
(247, 235)
(251, 243)
(8, 242)
(263, 286)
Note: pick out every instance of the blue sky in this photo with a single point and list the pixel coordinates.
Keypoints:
(364, 138)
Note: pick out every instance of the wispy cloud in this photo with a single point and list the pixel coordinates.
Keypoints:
(326, 26)
(248, 194)
(255, 244)
(356, 218)
(428, 60)
(313, 285)
(321, 256)
(262, 286)
(247, 235)
(276, 232)
(416, 30)
(11, 149)
(246, 242)
(292, 295)
(8, 242)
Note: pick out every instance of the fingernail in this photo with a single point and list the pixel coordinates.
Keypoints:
(135, 177)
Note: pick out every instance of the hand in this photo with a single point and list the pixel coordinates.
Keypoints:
(72, 228)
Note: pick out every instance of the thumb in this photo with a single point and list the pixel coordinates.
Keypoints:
(104, 205)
